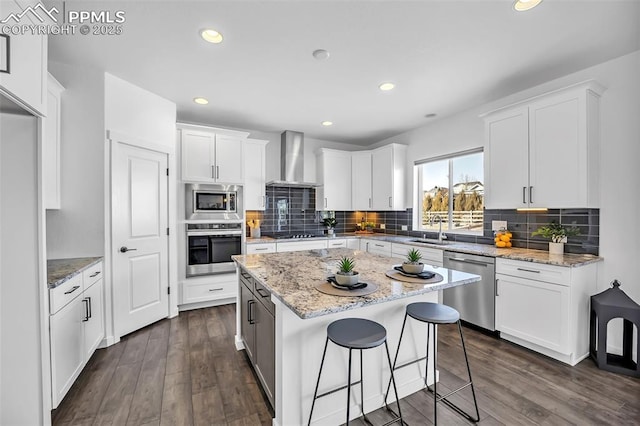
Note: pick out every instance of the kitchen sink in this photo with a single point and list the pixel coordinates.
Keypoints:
(430, 241)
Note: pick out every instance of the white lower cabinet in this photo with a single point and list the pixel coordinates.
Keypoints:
(545, 308)
(380, 247)
(430, 256)
(76, 328)
(259, 248)
(301, 245)
(210, 288)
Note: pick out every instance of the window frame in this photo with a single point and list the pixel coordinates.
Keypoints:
(418, 192)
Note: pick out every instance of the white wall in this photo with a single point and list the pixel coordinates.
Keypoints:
(77, 229)
(620, 152)
(133, 111)
(21, 384)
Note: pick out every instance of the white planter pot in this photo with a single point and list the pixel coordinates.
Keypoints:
(347, 279)
(330, 232)
(412, 268)
(556, 248)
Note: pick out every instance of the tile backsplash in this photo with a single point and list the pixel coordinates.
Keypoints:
(293, 211)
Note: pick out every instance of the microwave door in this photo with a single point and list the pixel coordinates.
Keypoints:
(210, 202)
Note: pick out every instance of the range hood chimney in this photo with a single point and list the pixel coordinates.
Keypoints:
(292, 161)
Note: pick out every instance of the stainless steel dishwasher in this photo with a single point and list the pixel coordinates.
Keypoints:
(475, 302)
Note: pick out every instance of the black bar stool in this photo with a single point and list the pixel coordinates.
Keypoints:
(434, 314)
(356, 333)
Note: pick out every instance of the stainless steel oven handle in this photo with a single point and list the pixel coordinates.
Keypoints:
(208, 233)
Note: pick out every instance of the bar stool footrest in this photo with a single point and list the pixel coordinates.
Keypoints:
(443, 398)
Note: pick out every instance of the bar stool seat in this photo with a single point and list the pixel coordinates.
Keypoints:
(434, 314)
(358, 334)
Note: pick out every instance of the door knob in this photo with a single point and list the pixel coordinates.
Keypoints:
(124, 249)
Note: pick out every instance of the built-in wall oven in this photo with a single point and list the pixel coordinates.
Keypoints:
(210, 247)
(213, 202)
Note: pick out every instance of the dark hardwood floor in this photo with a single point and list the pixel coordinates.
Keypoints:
(186, 371)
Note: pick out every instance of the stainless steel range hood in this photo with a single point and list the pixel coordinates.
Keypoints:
(292, 162)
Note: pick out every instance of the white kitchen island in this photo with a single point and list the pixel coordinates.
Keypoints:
(302, 315)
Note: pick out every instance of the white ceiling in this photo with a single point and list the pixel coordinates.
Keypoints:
(444, 56)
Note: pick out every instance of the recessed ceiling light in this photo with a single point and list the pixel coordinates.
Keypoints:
(431, 115)
(327, 123)
(386, 86)
(211, 35)
(523, 5)
(320, 54)
(200, 101)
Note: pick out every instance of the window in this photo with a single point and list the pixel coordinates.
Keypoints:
(450, 190)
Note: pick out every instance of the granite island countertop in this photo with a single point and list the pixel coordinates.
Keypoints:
(515, 253)
(61, 270)
(291, 278)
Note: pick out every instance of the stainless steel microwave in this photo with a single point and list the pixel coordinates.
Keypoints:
(213, 202)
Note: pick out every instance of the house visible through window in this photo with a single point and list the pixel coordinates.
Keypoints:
(450, 189)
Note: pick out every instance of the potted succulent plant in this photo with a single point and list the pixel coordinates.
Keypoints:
(557, 234)
(330, 223)
(346, 274)
(412, 264)
(368, 226)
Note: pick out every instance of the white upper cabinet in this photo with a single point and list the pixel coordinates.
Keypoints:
(26, 57)
(212, 155)
(544, 152)
(51, 145)
(388, 177)
(361, 180)
(334, 177)
(255, 174)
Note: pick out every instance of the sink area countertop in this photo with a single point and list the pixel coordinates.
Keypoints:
(61, 270)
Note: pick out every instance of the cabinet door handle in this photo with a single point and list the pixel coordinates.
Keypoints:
(390, 202)
(213, 172)
(250, 318)
(216, 289)
(86, 310)
(497, 294)
(325, 202)
(529, 270)
(74, 288)
(531, 194)
(217, 172)
(369, 202)
(524, 195)
(95, 274)
(264, 201)
(90, 311)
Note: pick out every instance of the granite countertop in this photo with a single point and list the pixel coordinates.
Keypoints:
(266, 239)
(291, 277)
(515, 253)
(61, 270)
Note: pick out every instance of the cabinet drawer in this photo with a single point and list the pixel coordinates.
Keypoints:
(261, 248)
(264, 296)
(65, 293)
(430, 256)
(534, 271)
(301, 245)
(92, 274)
(341, 243)
(378, 247)
(208, 291)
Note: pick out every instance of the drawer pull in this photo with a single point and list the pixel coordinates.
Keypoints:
(261, 248)
(529, 270)
(95, 274)
(216, 289)
(74, 288)
(262, 292)
(378, 245)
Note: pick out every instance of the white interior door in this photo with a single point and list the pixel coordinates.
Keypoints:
(139, 237)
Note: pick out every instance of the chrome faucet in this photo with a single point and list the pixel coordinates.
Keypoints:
(441, 236)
